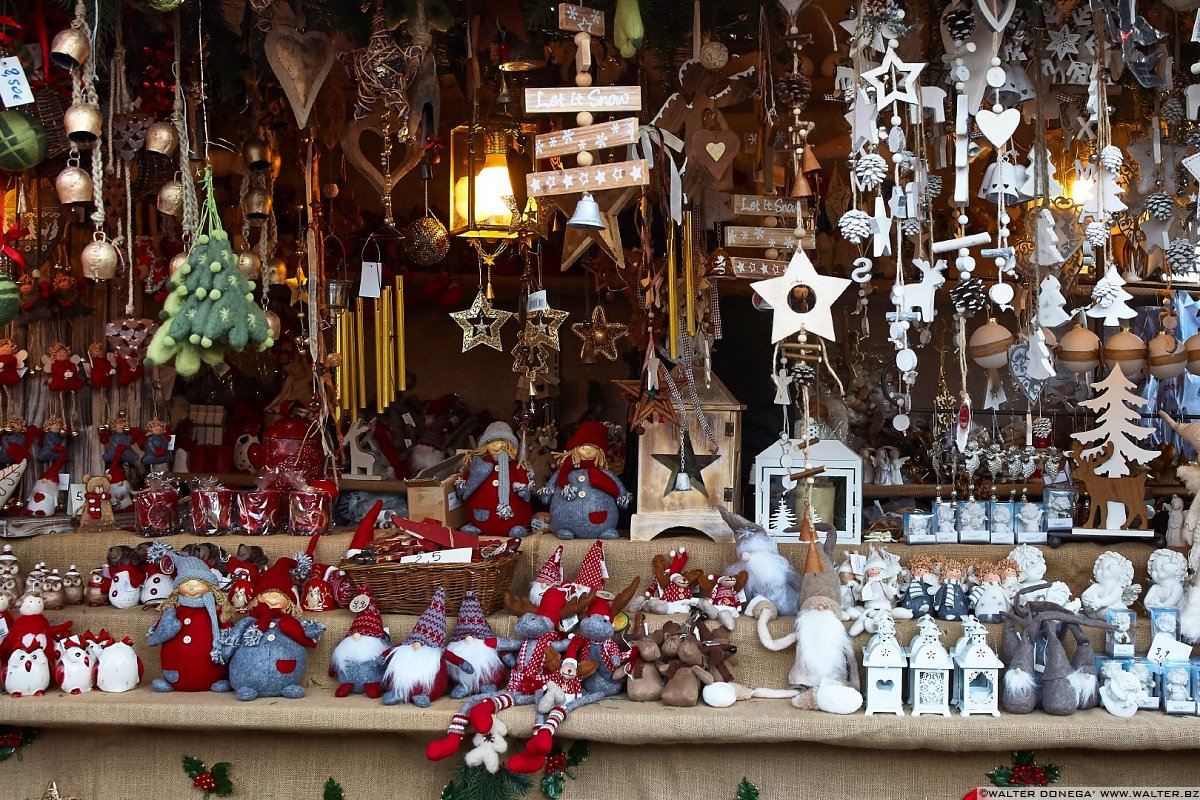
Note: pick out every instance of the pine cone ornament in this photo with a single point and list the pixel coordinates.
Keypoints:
(968, 297)
(933, 186)
(910, 227)
(870, 170)
(1096, 233)
(1112, 158)
(1105, 293)
(1160, 206)
(1181, 256)
(855, 226)
(876, 8)
(803, 374)
(793, 90)
(1172, 112)
(960, 23)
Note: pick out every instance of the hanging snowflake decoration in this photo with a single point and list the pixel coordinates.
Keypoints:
(870, 170)
(1181, 257)
(1112, 158)
(960, 23)
(856, 226)
(969, 297)
(1096, 233)
(1160, 206)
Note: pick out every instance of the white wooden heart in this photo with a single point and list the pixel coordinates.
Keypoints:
(301, 62)
(715, 150)
(997, 13)
(403, 158)
(998, 128)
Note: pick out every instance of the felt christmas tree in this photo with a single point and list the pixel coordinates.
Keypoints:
(1117, 422)
(211, 308)
(747, 790)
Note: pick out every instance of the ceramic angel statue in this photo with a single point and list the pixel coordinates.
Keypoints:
(1121, 693)
(879, 592)
(945, 518)
(1177, 680)
(1031, 571)
(1167, 570)
(973, 517)
(1175, 514)
(1112, 585)
(1029, 517)
(851, 584)
(1002, 522)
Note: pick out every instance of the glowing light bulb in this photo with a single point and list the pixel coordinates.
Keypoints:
(491, 187)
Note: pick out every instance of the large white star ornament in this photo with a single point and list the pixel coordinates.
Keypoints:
(825, 290)
(894, 80)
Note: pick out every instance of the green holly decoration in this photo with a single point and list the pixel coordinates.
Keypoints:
(12, 739)
(214, 782)
(558, 768)
(470, 783)
(747, 790)
(1025, 771)
(333, 791)
(211, 308)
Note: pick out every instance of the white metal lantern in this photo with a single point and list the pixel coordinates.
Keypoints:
(976, 677)
(885, 660)
(929, 668)
(836, 492)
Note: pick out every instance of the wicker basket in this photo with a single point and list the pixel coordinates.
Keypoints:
(408, 588)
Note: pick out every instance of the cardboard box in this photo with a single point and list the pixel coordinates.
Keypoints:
(431, 494)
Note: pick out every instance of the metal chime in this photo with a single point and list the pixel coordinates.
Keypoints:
(387, 351)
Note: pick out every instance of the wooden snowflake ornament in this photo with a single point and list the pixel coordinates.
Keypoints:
(824, 292)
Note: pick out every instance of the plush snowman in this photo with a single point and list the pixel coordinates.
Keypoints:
(120, 668)
(75, 671)
(27, 673)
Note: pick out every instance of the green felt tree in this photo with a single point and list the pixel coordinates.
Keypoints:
(747, 790)
(210, 310)
(333, 791)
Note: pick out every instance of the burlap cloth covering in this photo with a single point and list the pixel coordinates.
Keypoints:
(130, 746)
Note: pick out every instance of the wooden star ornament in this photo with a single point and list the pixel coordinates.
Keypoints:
(685, 464)
(481, 323)
(824, 290)
(645, 406)
(599, 336)
(577, 241)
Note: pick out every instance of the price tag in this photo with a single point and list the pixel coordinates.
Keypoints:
(75, 499)
(3, 629)
(371, 280)
(537, 301)
(64, 482)
(1164, 647)
(14, 86)
(459, 555)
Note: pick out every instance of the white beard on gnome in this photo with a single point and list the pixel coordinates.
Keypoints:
(822, 634)
(489, 669)
(121, 495)
(351, 651)
(412, 671)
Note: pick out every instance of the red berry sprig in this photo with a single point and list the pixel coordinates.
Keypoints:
(205, 781)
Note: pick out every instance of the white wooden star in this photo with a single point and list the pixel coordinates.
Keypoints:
(824, 290)
(861, 117)
(882, 242)
(895, 81)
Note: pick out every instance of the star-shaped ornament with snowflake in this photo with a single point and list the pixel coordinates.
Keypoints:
(1063, 42)
(481, 323)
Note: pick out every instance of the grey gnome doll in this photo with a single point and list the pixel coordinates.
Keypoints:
(584, 494)
(357, 661)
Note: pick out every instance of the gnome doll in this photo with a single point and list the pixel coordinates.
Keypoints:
(267, 650)
(584, 495)
(415, 669)
(494, 486)
(475, 643)
(120, 491)
(242, 575)
(43, 500)
(189, 625)
(548, 577)
(357, 661)
(316, 593)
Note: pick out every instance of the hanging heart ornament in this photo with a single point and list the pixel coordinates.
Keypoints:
(997, 13)
(301, 62)
(403, 158)
(998, 127)
(1018, 364)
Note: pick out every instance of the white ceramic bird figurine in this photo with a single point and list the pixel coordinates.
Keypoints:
(28, 673)
(75, 671)
(120, 668)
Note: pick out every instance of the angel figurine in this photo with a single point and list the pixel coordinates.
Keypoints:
(1112, 585)
(99, 367)
(65, 375)
(52, 440)
(12, 367)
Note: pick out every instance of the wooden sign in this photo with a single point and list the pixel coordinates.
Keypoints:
(580, 18)
(570, 100)
(589, 137)
(751, 236)
(588, 179)
(756, 268)
(758, 205)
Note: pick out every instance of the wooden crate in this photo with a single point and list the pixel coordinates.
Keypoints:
(657, 512)
(431, 494)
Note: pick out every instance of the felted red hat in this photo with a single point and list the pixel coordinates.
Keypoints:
(573, 648)
(276, 578)
(471, 620)
(601, 605)
(364, 534)
(552, 604)
(551, 573)
(235, 566)
(368, 622)
(116, 473)
(590, 432)
(430, 629)
(679, 559)
(593, 572)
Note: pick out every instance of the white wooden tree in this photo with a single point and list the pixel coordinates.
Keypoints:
(1118, 421)
(1047, 253)
(783, 518)
(1110, 301)
(1029, 187)
(1052, 311)
(1103, 197)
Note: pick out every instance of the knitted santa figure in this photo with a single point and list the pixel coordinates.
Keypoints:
(43, 500)
(474, 642)
(584, 495)
(316, 593)
(189, 625)
(357, 661)
(494, 485)
(267, 650)
(549, 576)
(415, 669)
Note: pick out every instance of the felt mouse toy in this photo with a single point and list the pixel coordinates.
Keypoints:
(190, 621)
(357, 661)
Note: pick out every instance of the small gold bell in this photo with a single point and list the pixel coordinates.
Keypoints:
(83, 123)
(162, 138)
(99, 259)
(256, 206)
(70, 49)
(274, 324)
(256, 156)
(250, 265)
(74, 186)
(170, 199)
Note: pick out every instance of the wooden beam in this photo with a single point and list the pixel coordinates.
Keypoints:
(570, 100)
(589, 137)
(580, 18)
(595, 178)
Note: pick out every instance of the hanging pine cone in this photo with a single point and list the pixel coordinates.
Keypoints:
(910, 227)
(1112, 158)
(1172, 112)
(960, 23)
(968, 297)
(870, 170)
(1160, 206)
(856, 226)
(1181, 257)
(876, 8)
(803, 374)
(1096, 233)
(933, 186)
(793, 90)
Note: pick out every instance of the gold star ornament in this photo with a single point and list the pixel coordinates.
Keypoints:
(599, 336)
(801, 284)
(481, 323)
(298, 286)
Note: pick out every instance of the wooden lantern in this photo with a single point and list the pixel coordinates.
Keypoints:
(977, 677)
(660, 508)
(929, 678)
(836, 493)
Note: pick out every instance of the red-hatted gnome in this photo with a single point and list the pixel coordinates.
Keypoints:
(415, 669)
(43, 500)
(475, 643)
(585, 495)
(189, 625)
(495, 486)
(536, 633)
(548, 577)
(357, 661)
(364, 532)
(316, 594)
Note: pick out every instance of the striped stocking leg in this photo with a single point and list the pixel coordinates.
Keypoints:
(543, 736)
(482, 712)
(447, 746)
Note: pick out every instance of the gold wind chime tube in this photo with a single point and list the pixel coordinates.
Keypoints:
(689, 272)
(360, 354)
(379, 335)
(672, 294)
(398, 330)
(348, 388)
(386, 378)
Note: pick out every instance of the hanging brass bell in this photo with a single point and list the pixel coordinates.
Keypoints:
(274, 324)
(170, 199)
(74, 186)
(99, 260)
(276, 273)
(256, 156)
(177, 261)
(587, 214)
(83, 123)
(250, 265)
(256, 206)
(162, 138)
(70, 49)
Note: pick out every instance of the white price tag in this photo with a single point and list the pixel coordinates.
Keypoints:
(14, 86)
(1165, 647)
(371, 280)
(64, 481)
(75, 498)
(459, 555)
(3, 629)
(537, 301)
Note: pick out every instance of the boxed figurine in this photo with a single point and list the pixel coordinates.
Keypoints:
(1118, 642)
(918, 528)
(1060, 510)
(1147, 672)
(1175, 687)
(1002, 522)
(973, 522)
(945, 520)
(1164, 621)
(1029, 524)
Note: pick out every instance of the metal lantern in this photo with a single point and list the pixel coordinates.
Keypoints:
(162, 138)
(83, 123)
(73, 186)
(99, 260)
(481, 194)
(338, 294)
(70, 49)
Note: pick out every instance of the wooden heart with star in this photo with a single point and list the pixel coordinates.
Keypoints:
(404, 157)
(714, 150)
(301, 62)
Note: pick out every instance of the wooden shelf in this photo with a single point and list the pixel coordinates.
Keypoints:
(923, 491)
(241, 480)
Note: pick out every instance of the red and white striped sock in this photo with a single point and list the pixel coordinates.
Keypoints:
(458, 724)
(553, 719)
(501, 702)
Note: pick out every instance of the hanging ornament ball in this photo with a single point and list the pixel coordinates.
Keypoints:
(426, 241)
(99, 260)
(988, 346)
(1160, 206)
(330, 190)
(1126, 349)
(250, 265)
(177, 261)
(1192, 348)
(714, 55)
(277, 272)
(333, 360)
(162, 138)
(10, 300)
(1166, 358)
(1079, 350)
(274, 324)
(23, 142)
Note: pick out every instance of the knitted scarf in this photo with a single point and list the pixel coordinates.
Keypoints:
(597, 477)
(289, 626)
(208, 602)
(504, 508)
